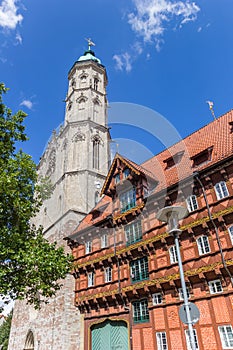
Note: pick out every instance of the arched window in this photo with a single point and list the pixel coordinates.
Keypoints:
(97, 196)
(96, 110)
(81, 103)
(96, 146)
(29, 343)
(96, 81)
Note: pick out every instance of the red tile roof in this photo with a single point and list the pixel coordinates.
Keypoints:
(218, 135)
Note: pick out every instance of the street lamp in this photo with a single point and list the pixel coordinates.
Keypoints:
(171, 215)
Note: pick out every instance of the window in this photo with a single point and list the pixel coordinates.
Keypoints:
(81, 103)
(226, 336)
(90, 279)
(202, 157)
(181, 294)
(188, 339)
(139, 269)
(29, 343)
(73, 83)
(69, 106)
(133, 232)
(97, 195)
(161, 341)
(192, 203)
(117, 178)
(215, 287)
(128, 200)
(95, 160)
(175, 159)
(83, 79)
(230, 230)
(173, 254)
(140, 311)
(104, 240)
(221, 190)
(96, 81)
(203, 245)
(88, 247)
(126, 173)
(157, 298)
(108, 274)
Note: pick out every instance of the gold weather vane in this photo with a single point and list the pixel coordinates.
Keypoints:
(211, 104)
(90, 43)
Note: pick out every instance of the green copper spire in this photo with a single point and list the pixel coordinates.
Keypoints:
(89, 54)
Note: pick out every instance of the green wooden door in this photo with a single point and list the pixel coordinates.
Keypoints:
(109, 335)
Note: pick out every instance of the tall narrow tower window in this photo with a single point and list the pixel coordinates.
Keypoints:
(96, 81)
(97, 196)
(95, 160)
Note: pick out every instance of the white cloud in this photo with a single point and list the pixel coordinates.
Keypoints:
(27, 103)
(123, 61)
(9, 18)
(18, 38)
(150, 17)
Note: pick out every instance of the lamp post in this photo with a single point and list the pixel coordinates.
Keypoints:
(171, 215)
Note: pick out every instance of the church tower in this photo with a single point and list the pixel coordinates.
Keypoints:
(76, 162)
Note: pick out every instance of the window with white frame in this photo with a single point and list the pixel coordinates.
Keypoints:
(230, 230)
(203, 245)
(226, 336)
(140, 311)
(215, 287)
(90, 279)
(161, 339)
(108, 274)
(157, 298)
(139, 269)
(191, 202)
(188, 339)
(221, 190)
(104, 240)
(128, 200)
(133, 232)
(181, 294)
(173, 254)
(88, 247)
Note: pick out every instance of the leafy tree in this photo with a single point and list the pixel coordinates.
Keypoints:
(30, 266)
(5, 332)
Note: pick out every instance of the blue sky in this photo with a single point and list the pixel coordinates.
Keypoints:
(167, 55)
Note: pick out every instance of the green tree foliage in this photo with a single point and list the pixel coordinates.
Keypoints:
(5, 332)
(30, 266)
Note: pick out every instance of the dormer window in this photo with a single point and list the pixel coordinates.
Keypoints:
(175, 159)
(126, 173)
(202, 157)
(128, 200)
